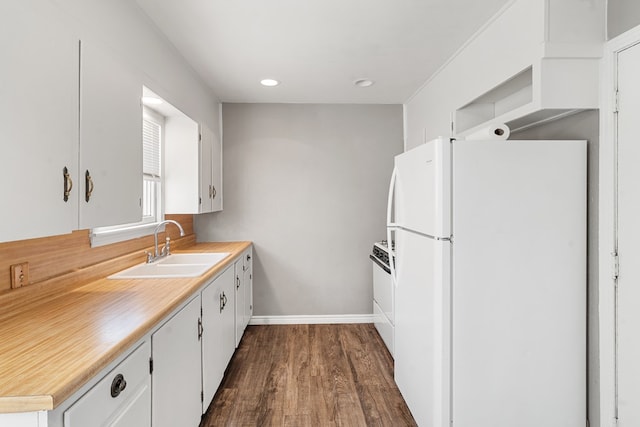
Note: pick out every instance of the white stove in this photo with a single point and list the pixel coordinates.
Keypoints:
(383, 292)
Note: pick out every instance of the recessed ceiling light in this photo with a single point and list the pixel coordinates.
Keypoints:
(150, 100)
(363, 82)
(269, 82)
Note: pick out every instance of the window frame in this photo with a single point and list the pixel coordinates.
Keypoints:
(101, 236)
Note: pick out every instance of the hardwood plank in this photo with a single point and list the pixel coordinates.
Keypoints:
(309, 375)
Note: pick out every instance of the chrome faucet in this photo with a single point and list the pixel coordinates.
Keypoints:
(166, 250)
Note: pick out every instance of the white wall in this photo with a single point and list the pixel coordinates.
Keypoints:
(308, 185)
(622, 15)
(121, 26)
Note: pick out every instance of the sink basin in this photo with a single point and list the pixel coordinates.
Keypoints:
(176, 265)
(209, 258)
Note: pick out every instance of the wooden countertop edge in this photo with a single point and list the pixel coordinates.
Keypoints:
(9, 404)
(47, 402)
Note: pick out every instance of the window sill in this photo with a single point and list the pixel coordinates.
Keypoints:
(107, 237)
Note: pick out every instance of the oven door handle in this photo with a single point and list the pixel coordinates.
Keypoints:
(381, 264)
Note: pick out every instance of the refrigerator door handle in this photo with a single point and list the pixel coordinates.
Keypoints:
(390, 226)
(392, 185)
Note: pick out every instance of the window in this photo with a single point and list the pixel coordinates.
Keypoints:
(152, 207)
(152, 126)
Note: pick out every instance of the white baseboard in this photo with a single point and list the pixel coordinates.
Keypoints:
(311, 319)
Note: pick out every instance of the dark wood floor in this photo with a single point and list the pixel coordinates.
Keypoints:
(309, 375)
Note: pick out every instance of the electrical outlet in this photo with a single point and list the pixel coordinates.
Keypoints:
(19, 275)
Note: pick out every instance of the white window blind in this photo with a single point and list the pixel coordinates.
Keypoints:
(151, 148)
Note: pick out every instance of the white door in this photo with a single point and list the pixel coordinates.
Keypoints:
(38, 121)
(214, 348)
(248, 287)
(239, 300)
(628, 218)
(210, 171)
(216, 173)
(110, 181)
(206, 188)
(421, 349)
(176, 381)
(422, 188)
(519, 283)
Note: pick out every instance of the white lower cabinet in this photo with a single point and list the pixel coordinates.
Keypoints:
(176, 376)
(121, 399)
(239, 300)
(218, 341)
(248, 286)
(170, 377)
(244, 293)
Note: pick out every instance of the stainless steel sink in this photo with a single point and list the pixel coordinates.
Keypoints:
(176, 265)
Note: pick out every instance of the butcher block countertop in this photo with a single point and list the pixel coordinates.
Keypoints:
(52, 343)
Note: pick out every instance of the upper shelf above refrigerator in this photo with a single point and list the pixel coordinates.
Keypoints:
(559, 78)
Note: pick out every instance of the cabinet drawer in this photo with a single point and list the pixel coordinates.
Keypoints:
(122, 398)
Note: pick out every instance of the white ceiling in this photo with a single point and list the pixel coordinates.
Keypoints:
(318, 48)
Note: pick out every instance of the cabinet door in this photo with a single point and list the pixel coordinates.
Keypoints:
(38, 121)
(181, 165)
(216, 172)
(110, 140)
(239, 300)
(121, 399)
(206, 186)
(210, 171)
(176, 382)
(228, 322)
(248, 287)
(213, 336)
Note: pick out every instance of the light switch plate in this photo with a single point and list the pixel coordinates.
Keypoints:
(19, 275)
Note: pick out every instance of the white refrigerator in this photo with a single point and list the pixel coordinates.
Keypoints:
(490, 282)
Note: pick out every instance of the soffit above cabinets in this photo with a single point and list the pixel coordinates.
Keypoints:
(318, 49)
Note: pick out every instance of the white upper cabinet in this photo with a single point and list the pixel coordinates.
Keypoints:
(181, 165)
(210, 171)
(555, 70)
(38, 122)
(64, 110)
(533, 61)
(110, 180)
(193, 167)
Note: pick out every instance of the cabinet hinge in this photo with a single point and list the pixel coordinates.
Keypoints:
(201, 396)
(616, 101)
(200, 137)
(150, 365)
(615, 266)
